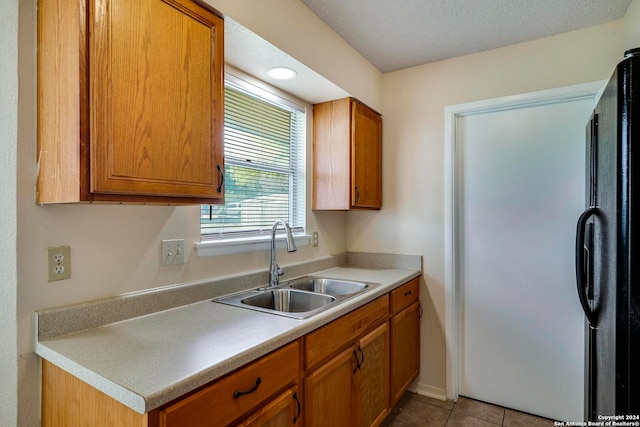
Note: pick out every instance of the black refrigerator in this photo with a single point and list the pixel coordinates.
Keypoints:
(608, 248)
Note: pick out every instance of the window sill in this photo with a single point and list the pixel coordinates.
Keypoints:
(207, 248)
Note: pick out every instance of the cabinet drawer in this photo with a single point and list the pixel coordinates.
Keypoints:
(404, 295)
(326, 341)
(216, 403)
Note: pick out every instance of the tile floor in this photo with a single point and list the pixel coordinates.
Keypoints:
(421, 411)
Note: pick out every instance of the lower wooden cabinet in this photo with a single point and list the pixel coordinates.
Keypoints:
(405, 350)
(69, 401)
(348, 373)
(329, 392)
(373, 377)
(352, 388)
(282, 411)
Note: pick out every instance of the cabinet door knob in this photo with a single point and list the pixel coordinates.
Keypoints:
(238, 393)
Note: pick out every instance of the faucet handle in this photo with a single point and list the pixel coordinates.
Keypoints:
(279, 270)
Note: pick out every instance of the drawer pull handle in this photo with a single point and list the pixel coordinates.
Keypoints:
(238, 393)
(406, 294)
(295, 397)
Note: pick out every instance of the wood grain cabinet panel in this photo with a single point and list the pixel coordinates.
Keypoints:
(327, 340)
(283, 411)
(69, 401)
(352, 387)
(130, 102)
(237, 394)
(366, 157)
(405, 350)
(373, 377)
(329, 392)
(347, 156)
(404, 295)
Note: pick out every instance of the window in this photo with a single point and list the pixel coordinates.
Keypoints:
(264, 140)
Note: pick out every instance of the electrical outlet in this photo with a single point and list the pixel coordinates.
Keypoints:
(314, 238)
(172, 252)
(59, 263)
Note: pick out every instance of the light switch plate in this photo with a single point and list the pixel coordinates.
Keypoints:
(172, 252)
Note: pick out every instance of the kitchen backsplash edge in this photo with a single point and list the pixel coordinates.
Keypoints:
(64, 320)
(368, 259)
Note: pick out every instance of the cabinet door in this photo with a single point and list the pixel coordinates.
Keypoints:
(331, 155)
(373, 377)
(155, 98)
(405, 350)
(366, 157)
(329, 397)
(283, 411)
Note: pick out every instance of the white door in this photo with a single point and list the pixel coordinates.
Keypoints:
(520, 186)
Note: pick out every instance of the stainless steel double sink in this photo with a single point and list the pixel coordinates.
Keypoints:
(298, 298)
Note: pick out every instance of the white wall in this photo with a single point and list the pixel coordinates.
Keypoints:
(631, 23)
(8, 275)
(412, 217)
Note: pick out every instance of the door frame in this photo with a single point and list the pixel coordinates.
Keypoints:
(591, 90)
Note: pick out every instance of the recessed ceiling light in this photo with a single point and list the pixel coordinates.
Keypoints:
(282, 73)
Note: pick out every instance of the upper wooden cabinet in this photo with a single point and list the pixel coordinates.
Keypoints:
(130, 102)
(347, 156)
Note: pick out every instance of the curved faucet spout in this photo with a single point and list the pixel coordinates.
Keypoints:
(274, 269)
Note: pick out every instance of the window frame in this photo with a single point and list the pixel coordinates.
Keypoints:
(213, 244)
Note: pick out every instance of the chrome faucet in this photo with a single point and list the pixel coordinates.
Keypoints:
(274, 269)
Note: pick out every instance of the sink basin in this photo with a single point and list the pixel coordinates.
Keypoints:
(328, 286)
(288, 301)
(298, 298)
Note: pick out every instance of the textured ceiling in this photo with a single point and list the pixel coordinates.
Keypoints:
(396, 34)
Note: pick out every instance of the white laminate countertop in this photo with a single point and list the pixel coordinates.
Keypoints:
(150, 360)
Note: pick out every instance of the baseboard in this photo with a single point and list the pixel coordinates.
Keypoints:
(430, 391)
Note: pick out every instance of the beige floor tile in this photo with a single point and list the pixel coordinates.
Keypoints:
(414, 410)
(484, 411)
(445, 404)
(520, 419)
(397, 423)
(418, 414)
(458, 419)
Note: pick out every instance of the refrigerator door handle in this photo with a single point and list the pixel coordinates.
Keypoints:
(580, 264)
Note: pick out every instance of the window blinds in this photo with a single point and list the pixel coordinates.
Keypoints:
(264, 166)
